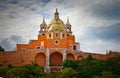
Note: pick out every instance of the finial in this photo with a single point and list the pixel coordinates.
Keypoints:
(56, 10)
(68, 19)
(68, 23)
(56, 16)
(43, 19)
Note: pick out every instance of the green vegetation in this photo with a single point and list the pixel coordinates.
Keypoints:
(68, 73)
(1, 49)
(69, 63)
(86, 68)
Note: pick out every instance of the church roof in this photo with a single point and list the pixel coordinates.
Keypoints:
(56, 27)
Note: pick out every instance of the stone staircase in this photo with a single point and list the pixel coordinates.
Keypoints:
(55, 69)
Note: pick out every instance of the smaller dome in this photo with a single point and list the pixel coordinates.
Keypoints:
(56, 27)
(54, 21)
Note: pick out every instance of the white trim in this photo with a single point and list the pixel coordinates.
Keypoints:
(51, 35)
(61, 35)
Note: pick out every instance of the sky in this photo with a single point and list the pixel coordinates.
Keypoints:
(95, 23)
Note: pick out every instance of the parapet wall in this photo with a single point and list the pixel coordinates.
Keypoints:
(16, 58)
(25, 57)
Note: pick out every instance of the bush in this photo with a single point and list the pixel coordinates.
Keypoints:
(69, 63)
(68, 73)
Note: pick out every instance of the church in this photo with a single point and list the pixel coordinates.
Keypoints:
(55, 43)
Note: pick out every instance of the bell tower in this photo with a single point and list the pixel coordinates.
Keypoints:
(43, 28)
(68, 27)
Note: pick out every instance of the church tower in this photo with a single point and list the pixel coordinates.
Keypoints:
(43, 27)
(68, 27)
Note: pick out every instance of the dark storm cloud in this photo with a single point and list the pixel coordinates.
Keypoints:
(109, 33)
(109, 10)
(9, 1)
(13, 14)
(2, 8)
(13, 1)
(44, 1)
(10, 43)
(105, 33)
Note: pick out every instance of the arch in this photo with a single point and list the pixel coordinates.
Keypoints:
(56, 58)
(70, 56)
(40, 59)
(79, 58)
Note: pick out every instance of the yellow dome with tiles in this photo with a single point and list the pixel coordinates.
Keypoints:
(54, 21)
(56, 27)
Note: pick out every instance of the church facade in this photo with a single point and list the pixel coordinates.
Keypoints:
(55, 43)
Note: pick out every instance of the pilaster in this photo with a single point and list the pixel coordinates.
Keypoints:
(47, 67)
(64, 54)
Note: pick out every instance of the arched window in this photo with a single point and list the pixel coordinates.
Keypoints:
(63, 35)
(49, 35)
(67, 34)
(56, 34)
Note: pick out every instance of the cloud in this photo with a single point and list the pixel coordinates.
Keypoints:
(13, 2)
(94, 22)
(100, 39)
(108, 33)
(10, 43)
(99, 46)
(107, 9)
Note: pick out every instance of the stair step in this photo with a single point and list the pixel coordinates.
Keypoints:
(55, 69)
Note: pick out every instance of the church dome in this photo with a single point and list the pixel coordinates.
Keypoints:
(54, 21)
(56, 27)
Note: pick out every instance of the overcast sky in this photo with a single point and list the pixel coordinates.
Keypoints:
(95, 23)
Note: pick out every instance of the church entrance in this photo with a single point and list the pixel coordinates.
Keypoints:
(56, 59)
(40, 59)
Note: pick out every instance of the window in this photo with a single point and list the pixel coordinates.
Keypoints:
(56, 34)
(24, 49)
(43, 29)
(42, 47)
(74, 47)
(71, 46)
(56, 42)
(67, 34)
(63, 35)
(38, 47)
(43, 34)
(67, 30)
(49, 35)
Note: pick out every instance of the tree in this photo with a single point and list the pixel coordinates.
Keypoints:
(89, 57)
(96, 77)
(113, 64)
(2, 49)
(69, 63)
(4, 70)
(68, 73)
(17, 73)
(90, 68)
(33, 70)
(27, 71)
(107, 75)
